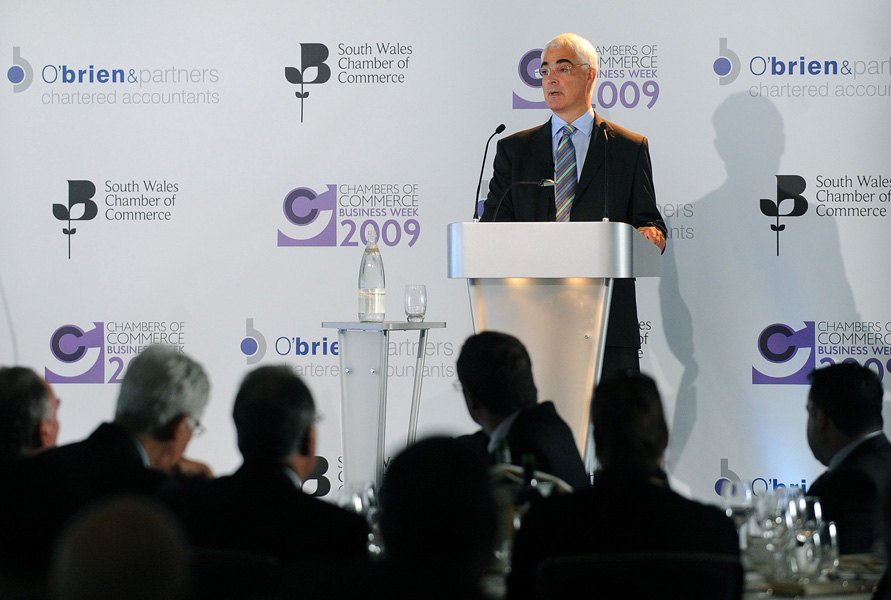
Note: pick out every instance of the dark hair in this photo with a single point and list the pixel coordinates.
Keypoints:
(851, 396)
(496, 369)
(273, 413)
(24, 403)
(630, 432)
(437, 506)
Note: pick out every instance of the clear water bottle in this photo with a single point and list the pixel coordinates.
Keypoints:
(372, 307)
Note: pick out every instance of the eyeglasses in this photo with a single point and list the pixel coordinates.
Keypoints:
(561, 70)
(197, 428)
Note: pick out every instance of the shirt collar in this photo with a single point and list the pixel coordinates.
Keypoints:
(500, 432)
(585, 123)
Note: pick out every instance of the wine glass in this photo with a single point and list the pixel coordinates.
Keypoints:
(737, 501)
(361, 498)
(804, 543)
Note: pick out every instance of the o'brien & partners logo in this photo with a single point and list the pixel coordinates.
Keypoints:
(152, 200)
(340, 215)
(101, 352)
(20, 73)
(800, 75)
(362, 63)
(317, 355)
(627, 75)
(71, 83)
(760, 485)
(790, 354)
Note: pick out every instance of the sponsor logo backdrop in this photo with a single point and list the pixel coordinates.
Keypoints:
(203, 175)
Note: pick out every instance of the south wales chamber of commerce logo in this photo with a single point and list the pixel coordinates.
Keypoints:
(789, 187)
(20, 74)
(80, 207)
(726, 66)
(312, 71)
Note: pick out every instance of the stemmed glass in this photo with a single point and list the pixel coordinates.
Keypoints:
(804, 542)
(361, 498)
(737, 501)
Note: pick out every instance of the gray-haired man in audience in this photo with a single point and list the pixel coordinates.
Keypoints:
(162, 397)
(28, 413)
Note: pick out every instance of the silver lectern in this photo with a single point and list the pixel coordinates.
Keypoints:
(549, 284)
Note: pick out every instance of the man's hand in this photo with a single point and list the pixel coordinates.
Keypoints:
(655, 235)
(192, 469)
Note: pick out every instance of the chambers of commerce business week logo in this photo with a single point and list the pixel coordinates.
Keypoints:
(627, 76)
(101, 351)
(789, 352)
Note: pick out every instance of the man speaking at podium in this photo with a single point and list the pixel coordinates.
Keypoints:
(590, 160)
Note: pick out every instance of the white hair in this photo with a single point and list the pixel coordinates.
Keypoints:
(584, 49)
(160, 385)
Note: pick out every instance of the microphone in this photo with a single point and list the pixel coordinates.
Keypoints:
(476, 200)
(605, 174)
(540, 183)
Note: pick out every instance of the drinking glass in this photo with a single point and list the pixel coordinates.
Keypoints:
(361, 499)
(415, 303)
(804, 543)
(737, 501)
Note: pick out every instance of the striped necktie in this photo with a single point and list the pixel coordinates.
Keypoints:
(565, 174)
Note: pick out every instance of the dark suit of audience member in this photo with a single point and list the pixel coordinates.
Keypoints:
(495, 372)
(630, 507)
(28, 414)
(844, 431)
(437, 522)
(261, 507)
(161, 397)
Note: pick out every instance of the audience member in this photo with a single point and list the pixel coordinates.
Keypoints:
(161, 399)
(123, 548)
(261, 508)
(28, 413)
(495, 372)
(844, 432)
(630, 507)
(437, 521)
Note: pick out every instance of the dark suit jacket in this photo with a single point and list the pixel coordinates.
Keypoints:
(850, 493)
(617, 514)
(41, 494)
(620, 168)
(259, 509)
(541, 432)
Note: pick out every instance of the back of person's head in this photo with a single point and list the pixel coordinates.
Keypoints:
(630, 432)
(273, 414)
(437, 508)
(160, 385)
(850, 395)
(125, 548)
(496, 369)
(25, 404)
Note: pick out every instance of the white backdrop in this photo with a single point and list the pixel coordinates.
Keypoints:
(187, 109)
